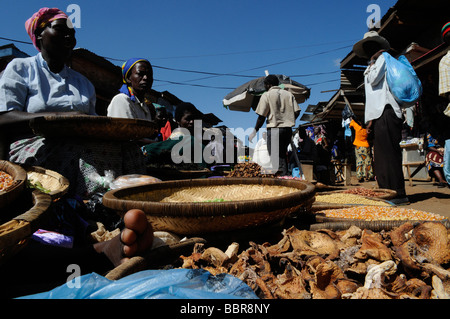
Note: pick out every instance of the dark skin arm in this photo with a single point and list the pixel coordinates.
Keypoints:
(369, 127)
(14, 117)
(376, 56)
(258, 125)
(447, 96)
(17, 122)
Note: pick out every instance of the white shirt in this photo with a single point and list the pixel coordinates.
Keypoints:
(28, 85)
(377, 90)
(123, 107)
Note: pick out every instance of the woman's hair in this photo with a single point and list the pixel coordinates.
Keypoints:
(186, 107)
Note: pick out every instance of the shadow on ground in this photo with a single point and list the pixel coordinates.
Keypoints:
(419, 197)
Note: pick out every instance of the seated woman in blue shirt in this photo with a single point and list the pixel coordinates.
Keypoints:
(44, 85)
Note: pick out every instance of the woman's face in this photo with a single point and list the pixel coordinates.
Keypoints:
(57, 39)
(187, 121)
(161, 117)
(141, 77)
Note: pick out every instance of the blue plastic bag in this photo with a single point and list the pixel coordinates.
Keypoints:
(447, 160)
(403, 81)
(153, 284)
(296, 172)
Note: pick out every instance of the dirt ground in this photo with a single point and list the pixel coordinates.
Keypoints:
(423, 195)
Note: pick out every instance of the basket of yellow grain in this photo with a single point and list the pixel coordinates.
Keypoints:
(337, 200)
(199, 206)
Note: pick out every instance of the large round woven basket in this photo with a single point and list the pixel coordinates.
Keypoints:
(382, 193)
(53, 183)
(15, 233)
(92, 127)
(189, 207)
(19, 176)
(374, 225)
(319, 206)
(171, 174)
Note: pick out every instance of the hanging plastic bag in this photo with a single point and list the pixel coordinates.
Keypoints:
(403, 81)
(347, 112)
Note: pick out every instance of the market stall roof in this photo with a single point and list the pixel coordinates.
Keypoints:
(105, 76)
(413, 28)
(211, 119)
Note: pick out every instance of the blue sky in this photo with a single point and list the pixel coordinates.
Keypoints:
(297, 38)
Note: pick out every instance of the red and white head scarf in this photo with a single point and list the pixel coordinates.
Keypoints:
(40, 19)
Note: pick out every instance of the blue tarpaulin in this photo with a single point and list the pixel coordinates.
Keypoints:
(153, 284)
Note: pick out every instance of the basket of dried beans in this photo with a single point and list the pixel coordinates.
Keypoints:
(380, 193)
(373, 217)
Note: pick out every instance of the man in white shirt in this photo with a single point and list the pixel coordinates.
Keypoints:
(281, 110)
(383, 111)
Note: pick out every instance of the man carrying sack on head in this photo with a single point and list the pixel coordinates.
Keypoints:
(386, 116)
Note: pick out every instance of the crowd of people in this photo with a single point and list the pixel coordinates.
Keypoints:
(44, 85)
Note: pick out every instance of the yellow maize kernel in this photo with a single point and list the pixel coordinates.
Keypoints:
(344, 198)
(381, 213)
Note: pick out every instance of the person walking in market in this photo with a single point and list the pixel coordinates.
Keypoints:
(281, 110)
(444, 91)
(386, 116)
(364, 170)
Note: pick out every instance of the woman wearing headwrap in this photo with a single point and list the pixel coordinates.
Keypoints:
(137, 75)
(44, 85)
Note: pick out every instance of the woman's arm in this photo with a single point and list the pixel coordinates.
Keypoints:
(377, 69)
(15, 117)
(13, 88)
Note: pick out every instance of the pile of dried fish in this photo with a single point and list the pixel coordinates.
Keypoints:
(248, 169)
(409, 262)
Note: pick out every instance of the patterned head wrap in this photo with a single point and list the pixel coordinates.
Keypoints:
(126, 68)
(445, 29)
(40, 19)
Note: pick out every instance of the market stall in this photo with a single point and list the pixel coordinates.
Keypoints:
(281, 238)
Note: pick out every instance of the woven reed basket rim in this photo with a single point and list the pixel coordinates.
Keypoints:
(57, 184)
(94, 126)
(127, 198)
(389, 193)
(375, 225)
(321, 218)
(23, 225)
